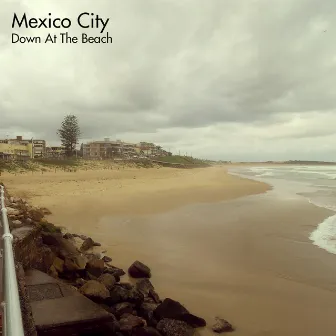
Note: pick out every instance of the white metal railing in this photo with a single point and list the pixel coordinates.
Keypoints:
(12, 316)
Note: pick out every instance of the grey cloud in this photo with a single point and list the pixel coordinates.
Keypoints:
(173, 67)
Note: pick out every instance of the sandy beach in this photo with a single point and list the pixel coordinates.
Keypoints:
(89, 195)
(246, 259)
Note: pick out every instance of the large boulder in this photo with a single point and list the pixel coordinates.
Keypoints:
(108, 280)
(95, 291)
(139, 270)
(87, 244)
(95, 267)
(170, 327)
(172, 309)
(221, 326)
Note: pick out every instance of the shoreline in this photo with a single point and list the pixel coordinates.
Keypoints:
(327, 226)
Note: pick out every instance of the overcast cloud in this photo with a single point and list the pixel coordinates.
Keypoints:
(222, 79)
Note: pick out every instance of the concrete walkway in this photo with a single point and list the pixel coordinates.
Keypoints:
(58, 309)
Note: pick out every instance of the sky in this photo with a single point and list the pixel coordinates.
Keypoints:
(239, 80)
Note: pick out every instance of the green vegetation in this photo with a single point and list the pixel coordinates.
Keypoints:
(69, 134)
(180, 159)
(70, 162)
(49, 227)
(18, 166)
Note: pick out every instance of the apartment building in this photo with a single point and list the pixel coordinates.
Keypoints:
(150, 149)
(108, 149)
(55, 152)
(14, 151)
(22, 148)
(120, 149)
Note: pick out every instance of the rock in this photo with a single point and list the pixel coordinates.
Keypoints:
(174, 310)
(91, 277)
(139, 270)
(135, 296)
(53, 272)
(67, 248)
(51, 239)
(107, 259)
(108, 280)
(129, 322)
(170, 327)
(92, 256)
(170, 309)
(70, 265)
(87, 244)
(221, 326)
(59, 265)
(45, 211)
(96, 244)
(15, 224)
(154, 296)
(29, 220)
(146, 311)
(109, 328)
(149, 300)
(12, 211)
(80, 282)
(144, 286)
(94, 290)
(145, 331)
(122, 308)
(68, 236)
(47, 258)
(36, 215)
(126, 285)
(115, 271)
(117, 295)
(62, 247)
(95, 267)
(80, 261)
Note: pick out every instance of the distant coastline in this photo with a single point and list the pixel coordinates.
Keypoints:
(290, 162)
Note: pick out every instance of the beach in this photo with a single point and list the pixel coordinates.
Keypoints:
(220, 244)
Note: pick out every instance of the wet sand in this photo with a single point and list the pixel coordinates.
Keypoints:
(248, 260)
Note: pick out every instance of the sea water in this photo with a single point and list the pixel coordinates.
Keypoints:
(316, 184)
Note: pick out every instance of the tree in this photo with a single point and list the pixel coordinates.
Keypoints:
(69, 134)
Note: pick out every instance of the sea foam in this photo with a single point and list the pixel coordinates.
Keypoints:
(325, 235)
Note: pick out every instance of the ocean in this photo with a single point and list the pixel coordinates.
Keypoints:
(316, 184)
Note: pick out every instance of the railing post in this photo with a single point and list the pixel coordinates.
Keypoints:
(12, 319)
